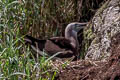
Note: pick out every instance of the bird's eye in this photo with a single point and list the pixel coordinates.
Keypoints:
(75, 25)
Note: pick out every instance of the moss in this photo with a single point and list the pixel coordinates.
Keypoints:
(88, 37)
(100, 10)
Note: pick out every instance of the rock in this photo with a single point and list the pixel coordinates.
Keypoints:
(104, 25)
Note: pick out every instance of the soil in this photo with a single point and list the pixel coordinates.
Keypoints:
(95, 70)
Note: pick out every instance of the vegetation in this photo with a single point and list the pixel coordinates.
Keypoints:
(39, 18)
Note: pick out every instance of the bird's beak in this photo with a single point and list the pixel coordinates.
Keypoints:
(79, 26)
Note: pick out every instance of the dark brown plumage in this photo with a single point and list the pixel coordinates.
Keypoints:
(52, 46)
(67, 46)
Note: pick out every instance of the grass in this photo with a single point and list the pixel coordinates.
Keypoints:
(16, 63)
(15, 57)
(39, 18)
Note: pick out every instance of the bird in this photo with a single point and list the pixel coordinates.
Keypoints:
(66, 46)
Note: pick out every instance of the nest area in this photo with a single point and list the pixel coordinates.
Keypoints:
(100, 70)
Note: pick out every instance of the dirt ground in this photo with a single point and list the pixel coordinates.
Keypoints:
(95, 70)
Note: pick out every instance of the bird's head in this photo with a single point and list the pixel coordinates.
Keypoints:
(71, 32)
(74, 27)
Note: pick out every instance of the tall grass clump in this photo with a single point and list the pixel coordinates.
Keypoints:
(15, 59)
(16, 62)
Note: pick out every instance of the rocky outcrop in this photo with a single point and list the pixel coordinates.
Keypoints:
(104, 25)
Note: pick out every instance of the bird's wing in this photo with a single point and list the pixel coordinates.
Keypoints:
(61, 42)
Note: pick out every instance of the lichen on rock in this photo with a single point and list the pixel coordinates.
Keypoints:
(104, 25)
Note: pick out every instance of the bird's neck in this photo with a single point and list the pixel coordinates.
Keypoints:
(72, 36)
(67, 34)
